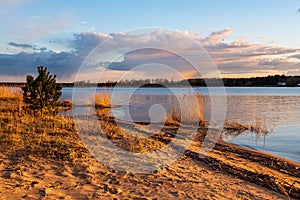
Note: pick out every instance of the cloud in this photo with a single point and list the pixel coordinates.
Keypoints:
(20, 45)
(83, 43)
(217, 37)
(27, 46)
(145, 56)
(297, 56)
(263, 37)
(232, 58)
(40, 49)
(63, 64)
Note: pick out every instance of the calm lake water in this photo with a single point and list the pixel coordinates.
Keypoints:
(278, 108)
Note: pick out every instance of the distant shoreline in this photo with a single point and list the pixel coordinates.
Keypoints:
(269, 81)
(71, 85)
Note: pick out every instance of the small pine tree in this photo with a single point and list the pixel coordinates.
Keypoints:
(42, 93)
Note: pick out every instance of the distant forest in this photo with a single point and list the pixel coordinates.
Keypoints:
(276, 80)
(268, 81)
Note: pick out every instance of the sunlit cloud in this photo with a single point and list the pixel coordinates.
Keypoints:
(217, 37)
(235, 58)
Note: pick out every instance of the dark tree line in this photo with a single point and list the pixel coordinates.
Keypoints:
(289, 81)
(276, 80)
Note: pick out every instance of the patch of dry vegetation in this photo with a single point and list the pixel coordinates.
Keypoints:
(9, 93)
(28, 135)
(175, 116)
(103, 100)
(233, 128)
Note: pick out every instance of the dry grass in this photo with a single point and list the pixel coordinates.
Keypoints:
(103, 100)
(10, 93)
(233, 128)
(27, 136)
(190, 113)
(173, 117)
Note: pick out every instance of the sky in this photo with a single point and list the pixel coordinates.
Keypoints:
(242, 38)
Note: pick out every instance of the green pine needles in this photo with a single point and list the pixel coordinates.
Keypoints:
(41, 94)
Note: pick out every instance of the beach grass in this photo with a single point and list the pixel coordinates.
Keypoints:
(192, 107)
(103, 100)
(8, 93)
(48, 136)
(259, 128)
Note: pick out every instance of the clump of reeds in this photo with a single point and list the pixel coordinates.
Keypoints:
(234, 128)
(103, 100)
(10, 93)
(188, 102)
(102, 103)
(173, 117)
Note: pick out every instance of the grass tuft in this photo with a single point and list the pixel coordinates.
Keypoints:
(103, 100)
(234, 129)
(189, 103)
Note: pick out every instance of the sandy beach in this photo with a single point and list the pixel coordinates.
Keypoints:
(227, 172)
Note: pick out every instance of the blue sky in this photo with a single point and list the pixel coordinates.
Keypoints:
(276, 19)
(52, 24)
